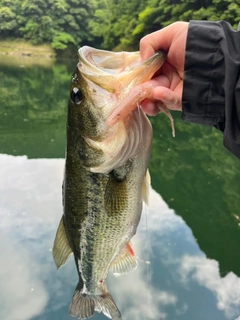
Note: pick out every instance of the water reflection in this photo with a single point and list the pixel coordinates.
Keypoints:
(179, 283)
(22, 293)
(197, 177)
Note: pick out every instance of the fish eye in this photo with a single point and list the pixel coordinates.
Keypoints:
(76, 95)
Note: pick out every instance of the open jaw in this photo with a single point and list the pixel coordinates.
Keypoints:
(116, 71)
(120, 73)
(108, 62)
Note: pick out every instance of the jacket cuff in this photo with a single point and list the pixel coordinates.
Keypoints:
(203, 98)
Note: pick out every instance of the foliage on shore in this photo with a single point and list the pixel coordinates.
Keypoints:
(107, 24)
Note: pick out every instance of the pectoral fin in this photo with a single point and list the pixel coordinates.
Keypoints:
(116, 195)
(61, 248)
(125, 263)
(145, 187)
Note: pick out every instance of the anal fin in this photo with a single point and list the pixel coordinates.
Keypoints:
(124, 263)
(61, 248)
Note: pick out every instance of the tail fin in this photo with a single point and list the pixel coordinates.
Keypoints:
(84, 305)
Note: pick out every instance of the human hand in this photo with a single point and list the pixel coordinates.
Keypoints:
(168, 82)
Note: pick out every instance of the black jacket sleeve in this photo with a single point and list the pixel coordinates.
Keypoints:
(211, 87)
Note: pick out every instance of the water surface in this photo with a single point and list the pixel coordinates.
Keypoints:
(188, 239)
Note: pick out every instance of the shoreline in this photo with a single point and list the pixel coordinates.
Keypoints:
(25, 49)
(24, 54)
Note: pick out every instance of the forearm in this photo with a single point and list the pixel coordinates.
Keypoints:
(211, 90)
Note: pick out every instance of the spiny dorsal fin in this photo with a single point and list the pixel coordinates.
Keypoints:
(145, 187)
(61, 248)
(125, 263)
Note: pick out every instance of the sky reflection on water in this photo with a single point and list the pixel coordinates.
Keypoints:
(179, 283)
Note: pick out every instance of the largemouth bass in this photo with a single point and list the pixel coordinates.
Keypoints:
(106, 178)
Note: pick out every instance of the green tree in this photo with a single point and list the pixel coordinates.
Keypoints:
(37, 25)
(158, 14)
(114, 21)
(59, 22)
(72, 17)
(109, 24)
(61, 40)
(9, 17)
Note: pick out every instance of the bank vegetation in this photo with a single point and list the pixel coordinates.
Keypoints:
(106, 24)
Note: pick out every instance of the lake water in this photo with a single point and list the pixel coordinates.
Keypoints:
(188, 239)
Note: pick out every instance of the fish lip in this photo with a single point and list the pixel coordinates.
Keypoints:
(90, 61)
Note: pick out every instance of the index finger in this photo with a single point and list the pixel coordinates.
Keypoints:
(153, 42)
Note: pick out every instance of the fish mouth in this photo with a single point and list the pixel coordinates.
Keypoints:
(140, 90)
(120, 73)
